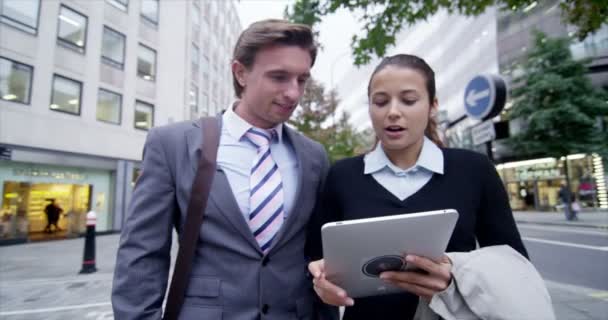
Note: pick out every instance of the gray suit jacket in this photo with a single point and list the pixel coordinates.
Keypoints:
(231, 278)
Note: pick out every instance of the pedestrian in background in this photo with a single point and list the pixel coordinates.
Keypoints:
(566, 196)
(576, 208)
(53, 213)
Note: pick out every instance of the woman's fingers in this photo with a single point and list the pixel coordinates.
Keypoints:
(434, 278)
(424, 293)
(440, 269)
(415, 278)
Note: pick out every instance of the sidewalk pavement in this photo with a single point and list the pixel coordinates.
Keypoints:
(586, 219)
(40, 281)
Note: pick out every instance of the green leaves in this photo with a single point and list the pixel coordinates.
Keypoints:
(557, 102)
(383, 19)
(315, 119)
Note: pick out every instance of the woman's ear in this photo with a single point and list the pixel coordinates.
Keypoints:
(434, 108)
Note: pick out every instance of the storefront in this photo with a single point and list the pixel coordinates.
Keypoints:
(29, 189)
(46, 195)
(534, 184)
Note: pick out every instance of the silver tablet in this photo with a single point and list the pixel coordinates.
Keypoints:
(357, 251)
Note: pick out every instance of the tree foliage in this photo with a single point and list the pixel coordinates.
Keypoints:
(557, 104)
(314, 118)
(383, 19)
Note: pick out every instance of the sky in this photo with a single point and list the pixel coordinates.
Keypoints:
(334, 60)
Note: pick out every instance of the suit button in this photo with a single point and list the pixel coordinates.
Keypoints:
(265, 308)
(265, 261)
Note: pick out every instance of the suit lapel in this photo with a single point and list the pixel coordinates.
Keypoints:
(221, 193)
(223, 199)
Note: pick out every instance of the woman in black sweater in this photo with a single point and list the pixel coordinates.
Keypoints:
(409, 172)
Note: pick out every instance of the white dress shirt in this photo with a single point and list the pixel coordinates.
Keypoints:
(235, 157)
(404, 183)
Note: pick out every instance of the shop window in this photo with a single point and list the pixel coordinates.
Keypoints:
(136, 174)
(25, 210)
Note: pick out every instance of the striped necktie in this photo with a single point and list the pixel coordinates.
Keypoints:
(266, 191)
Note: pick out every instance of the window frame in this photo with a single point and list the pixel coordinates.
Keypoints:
(148, 19)
(66, 43)
(16, 24)
(80, 85)
(135, 119)
(155, 62)
(29, 94)
(119, 106)
(109, 61)
(119, 5)
(196, 100)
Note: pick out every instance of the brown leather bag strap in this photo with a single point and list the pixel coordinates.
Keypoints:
(201, 186)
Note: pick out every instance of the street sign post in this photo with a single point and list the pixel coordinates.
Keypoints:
(484, 96)
(483, 132)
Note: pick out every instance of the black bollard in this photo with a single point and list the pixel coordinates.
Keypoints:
(88, 259)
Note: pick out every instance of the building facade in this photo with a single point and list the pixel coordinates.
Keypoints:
(81, 83)
(533, 184)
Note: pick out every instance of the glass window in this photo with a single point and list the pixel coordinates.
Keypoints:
(149, 10)
(109, 106)
(15, 81)
(144, 115)
(72, 29)
(195, 55)
(120, 4)
(196, 15)
(193, 101)
(113, 48)
(21, 14)
(66, 95)
(146, 63)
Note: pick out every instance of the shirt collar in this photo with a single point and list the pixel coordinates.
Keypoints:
(237, 126)
(431, 158)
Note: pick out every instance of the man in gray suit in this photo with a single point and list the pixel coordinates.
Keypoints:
(250, 262)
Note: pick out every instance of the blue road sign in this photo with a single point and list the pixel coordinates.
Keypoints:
(479, 96)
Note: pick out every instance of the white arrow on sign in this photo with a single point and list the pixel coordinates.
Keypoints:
(473, 96)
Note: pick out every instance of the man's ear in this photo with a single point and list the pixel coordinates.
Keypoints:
(240, 72)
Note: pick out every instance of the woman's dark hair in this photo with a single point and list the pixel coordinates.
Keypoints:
(418, 64)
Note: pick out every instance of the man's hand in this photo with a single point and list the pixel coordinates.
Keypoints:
(327, 291)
